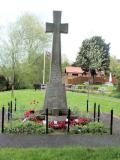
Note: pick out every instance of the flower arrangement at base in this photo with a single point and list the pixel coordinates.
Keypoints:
(57, 124)
(79, 121)
(28, 113)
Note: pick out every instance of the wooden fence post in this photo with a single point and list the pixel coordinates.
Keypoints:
(94, 111)
(46, 120)
(15, 104)
(111, 122)
(3, 110)
(98, 112)
(8, 113)
(87, 105)
(11, 109)
(68, 128)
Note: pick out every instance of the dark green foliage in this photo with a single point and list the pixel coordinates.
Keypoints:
(93, 55)
(60, 113)
(91, 128)
(75, 130)
(115, 70)
(4, 84)
(96, 127)
(27, 128)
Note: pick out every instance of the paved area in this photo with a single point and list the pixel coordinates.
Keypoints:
(65, 140)
(59, 141)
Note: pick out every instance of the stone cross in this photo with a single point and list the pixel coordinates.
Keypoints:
(55, 97)
(56, 28)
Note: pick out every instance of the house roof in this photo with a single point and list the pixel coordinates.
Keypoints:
(71, 69)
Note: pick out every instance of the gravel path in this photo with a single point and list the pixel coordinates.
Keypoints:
(59, 141)
(65, 140)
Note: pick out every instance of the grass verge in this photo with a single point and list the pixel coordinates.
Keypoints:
(68, 153)
(76, 101)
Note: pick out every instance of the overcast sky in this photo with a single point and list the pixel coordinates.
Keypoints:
(86, 18)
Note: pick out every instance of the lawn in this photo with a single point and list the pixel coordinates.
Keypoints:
(68, 153)
(76, 101)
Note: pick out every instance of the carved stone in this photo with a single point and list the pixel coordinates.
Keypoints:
(55, 97)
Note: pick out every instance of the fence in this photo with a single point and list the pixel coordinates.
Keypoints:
(11, 116)
(82, 79)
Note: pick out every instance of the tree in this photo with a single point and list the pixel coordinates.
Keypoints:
(114, 65)
(25, 42)
(93, 55)
(115, 70)
(65, 63)
(118, 78)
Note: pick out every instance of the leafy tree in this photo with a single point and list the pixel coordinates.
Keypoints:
(93, 55)
(114, 65)
(25, 43)
(115, 70)
(65, 63)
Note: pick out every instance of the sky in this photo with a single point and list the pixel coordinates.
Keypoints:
(86, 18)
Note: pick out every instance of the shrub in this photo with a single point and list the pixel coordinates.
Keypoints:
(27, 128)
(95, 87)
(3, 83)
(75, 130)
(60, 113)
(115, 94)
(96, 127)
(92, 127)
(81, 86)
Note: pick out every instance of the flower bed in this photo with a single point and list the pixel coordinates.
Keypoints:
(28, 113)
(56, 124)
(36, 123)
(79, 121)
(90, 128)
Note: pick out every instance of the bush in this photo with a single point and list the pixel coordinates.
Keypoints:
(115, 94)
(81, 86)
(75, 130)
(83, 91)
(28, 128)
(3, 83)
(60, 113)
(95, 87)
(92, 127)
(96, 127)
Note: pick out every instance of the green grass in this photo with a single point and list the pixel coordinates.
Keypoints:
(24, 97)
(115, 94)
(76, 101)
(74, 153)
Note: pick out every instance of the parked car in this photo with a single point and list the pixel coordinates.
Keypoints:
(39, 86)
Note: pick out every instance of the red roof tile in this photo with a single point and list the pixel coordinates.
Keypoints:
(73, 70)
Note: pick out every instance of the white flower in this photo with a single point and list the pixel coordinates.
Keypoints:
(55, 122)
(76, 120)
(44, 122)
